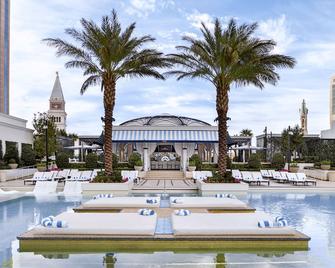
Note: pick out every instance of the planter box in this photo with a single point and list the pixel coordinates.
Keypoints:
(118, 189)
(294, 169)
(325, 175)
(207, 189)
(192, 168)
(325, 167)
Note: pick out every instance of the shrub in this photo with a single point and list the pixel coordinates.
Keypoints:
(294, 164)
(12, 161)
(278, 161)
(115, 161)
(217, 178)
(138, 163)
(91, 161)
(102, 178)
(254, 162)
(28, 155)
(133, 158)
(11, 152)
(325, 162)
(196, 160)
(62, 160)
(191, 163)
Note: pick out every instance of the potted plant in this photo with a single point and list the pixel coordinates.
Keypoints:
(192, 165)
(12, 163)
(138, 165)
(325, 164)
(294, 167)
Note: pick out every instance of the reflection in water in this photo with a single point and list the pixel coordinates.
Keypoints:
(313, 214)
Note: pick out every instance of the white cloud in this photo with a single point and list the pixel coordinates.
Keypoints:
(319, 55)
(190, 34)
(196, 18)
(141, 8)
(277, 30)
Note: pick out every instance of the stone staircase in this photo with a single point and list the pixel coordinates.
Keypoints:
(164, 175)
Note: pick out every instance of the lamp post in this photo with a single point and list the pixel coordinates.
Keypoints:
(45, 127)
(289, 132)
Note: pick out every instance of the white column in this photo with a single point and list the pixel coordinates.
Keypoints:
(146, 159)
(184, 158)
(216, 152)
(19, 148)
(3, 147)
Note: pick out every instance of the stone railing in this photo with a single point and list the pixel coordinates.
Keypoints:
(325, 175)
(18, 173)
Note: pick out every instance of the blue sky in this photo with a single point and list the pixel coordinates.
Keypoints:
(303, 29)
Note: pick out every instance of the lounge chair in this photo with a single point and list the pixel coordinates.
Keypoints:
(62, 175)
(259, 178)
(284, 175)
(247, 177)
(105, 204)
(236, 174)
(86, 175)
(2, 192)
(38, 176)
(88, 224)
(44, 188)
(279, 176)
(72, 188)
(218, 224)
(303, 177)
(74, 176)
(208, 202)
(265, 173)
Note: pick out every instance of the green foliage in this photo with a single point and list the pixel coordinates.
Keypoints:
(296, 140)
(191, 163)
(115, 161)
(91, 161)
(28, 156)
(102, 178)
(40, 120)
(293, 164)
(254, 162)
(195, 159)
(325, 162)
(246, 132)
(139, 163)
(133, 158)
(12, 161)
(62, 160)
(278, 161)
(217, 178)
(11, 152)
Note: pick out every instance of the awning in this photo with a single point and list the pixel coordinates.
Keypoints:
(165, 136)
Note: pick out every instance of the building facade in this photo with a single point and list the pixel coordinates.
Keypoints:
(57, 105)
(330, 133)
(4, 55)
(166, 141)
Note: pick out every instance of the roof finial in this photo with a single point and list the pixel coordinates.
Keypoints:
(57, 73)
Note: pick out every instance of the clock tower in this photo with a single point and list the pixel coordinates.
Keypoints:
(57, 105)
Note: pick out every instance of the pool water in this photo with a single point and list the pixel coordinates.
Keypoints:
(313, 214)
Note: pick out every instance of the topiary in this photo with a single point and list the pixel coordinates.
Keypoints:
(196, 160)
(138, 163)
(254, 162)
(62, 160)
(91, 161)
(11, 152)
(28, 156)
(133, 158)
(278, 161)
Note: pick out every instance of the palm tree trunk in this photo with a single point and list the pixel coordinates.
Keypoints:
(109, 102)
(222, 110)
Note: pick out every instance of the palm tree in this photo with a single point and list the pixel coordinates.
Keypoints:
(107, 54)
(227, 57)
(246, 132)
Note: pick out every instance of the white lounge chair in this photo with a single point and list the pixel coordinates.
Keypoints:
(265, 173)
(44, 188)
(279, 176)
(74, 176)
(86, 175)
(72, 188)
(247, 177)
(38, 176)
(259, 178)
(303, 177)
(236, 174)
(62, 175)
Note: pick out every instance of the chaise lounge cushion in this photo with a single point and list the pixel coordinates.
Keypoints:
(212, 224)
(122, 224)
(206, 202)
(121, 202)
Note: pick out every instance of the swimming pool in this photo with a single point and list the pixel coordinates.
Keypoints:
(313, 214)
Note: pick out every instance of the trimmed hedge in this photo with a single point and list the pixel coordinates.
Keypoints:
(62, 160)
(102, 178)
(28, 156)
(91, 161)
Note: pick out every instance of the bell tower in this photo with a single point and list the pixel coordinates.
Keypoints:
(57, 105)
(303, 117)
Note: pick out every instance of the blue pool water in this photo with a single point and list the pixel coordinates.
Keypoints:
(313, 214)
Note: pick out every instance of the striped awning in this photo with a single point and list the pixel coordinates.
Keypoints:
(165, 135)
